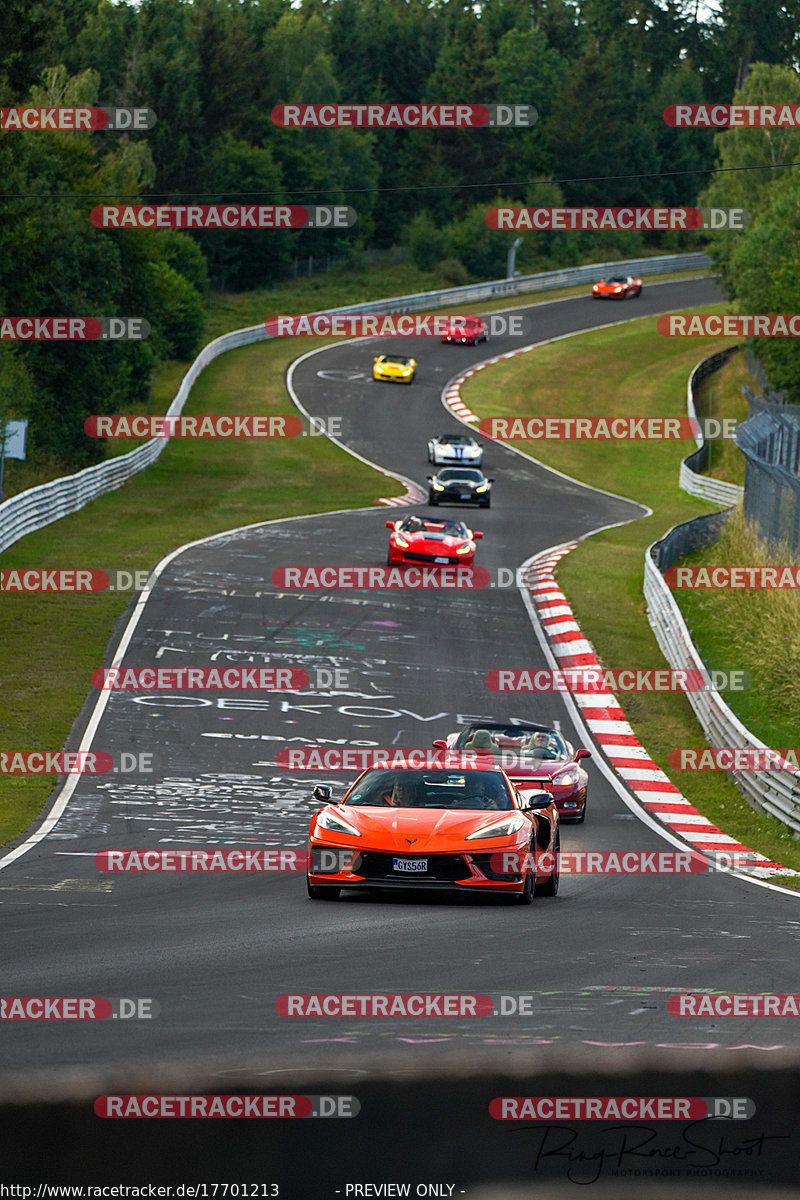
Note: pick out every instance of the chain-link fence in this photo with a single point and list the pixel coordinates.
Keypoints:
(770, 441)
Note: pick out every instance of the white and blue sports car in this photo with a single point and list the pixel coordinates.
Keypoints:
(455, 448)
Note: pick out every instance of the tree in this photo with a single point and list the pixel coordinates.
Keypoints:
(764, 271)
(736, 186)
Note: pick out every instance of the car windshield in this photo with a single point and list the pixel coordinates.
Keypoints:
(617, 279)
(529, 741)
(430, 789)
(400, 359)
(455, 439)
(460, 473)
(425, 525)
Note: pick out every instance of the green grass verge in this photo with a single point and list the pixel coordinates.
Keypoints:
(641, 374)
(51, 643)
(752, 629)
(720, 395)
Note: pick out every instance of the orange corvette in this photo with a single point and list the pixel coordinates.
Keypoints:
(618, 287)
(435, 830)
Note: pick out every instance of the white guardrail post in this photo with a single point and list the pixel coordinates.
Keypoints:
(39, 506)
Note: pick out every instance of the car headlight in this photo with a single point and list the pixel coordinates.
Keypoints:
(566, 778)
(482, 487)
(465, 549)
(331, 820)
(438, 487)
(400, 540)
(504, 828)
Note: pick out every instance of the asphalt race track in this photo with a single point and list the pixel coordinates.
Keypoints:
(215, 951)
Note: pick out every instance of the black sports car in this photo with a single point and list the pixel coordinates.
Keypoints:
(460, 485)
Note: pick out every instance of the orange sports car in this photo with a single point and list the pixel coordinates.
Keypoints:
(618, 287)
(452, 830)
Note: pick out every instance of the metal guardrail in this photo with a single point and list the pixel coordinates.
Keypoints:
(48, 502)
(718, 491)
(773, 792)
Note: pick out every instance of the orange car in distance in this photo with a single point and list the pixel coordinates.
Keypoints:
(618, 287)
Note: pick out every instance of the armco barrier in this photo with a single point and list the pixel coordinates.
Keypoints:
(420, 1122)
(774, 792)
(719, 491)
(39, 506)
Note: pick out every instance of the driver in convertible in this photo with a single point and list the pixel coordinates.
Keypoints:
(539, 745)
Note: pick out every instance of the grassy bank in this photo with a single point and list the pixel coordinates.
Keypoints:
(751, 628)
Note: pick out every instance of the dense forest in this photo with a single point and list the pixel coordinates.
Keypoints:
(600, 73)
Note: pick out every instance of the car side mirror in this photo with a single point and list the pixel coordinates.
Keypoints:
(583, 754)
(491, 481)
(440, 744)
(536, 800)
(322, 792)
(429, 478)
(477, 536)
(390, 524)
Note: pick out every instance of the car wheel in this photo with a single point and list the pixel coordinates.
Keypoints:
(526, 895)
(550, 886)
(486, 504)
(325, 892)
(432, 500)
(579, 820)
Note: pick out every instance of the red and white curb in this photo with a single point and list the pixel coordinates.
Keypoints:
(452, 393)
(413, 495)
(606, 721)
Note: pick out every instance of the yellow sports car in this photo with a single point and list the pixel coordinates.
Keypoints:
(396, 368)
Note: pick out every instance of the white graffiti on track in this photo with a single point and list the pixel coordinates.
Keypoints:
(252, 809)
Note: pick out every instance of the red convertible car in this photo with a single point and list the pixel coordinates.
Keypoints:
(618, 287)
(426, 540)
(536, 757)
(434, 830)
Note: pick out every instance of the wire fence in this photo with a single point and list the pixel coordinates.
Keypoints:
(770, 441)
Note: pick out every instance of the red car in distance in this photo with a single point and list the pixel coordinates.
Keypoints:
(431, 541)
(618, 287)
(538, 757)
(466, 331)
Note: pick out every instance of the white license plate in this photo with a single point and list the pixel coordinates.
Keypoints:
(410, 864)
(442, 560)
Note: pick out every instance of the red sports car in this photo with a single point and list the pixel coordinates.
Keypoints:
(618, 287)
(434, 830)
(425, 540)
(467, 331)
(537, 757)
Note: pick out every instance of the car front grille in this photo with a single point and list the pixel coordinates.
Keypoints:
(410, 556)
(447, 868)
